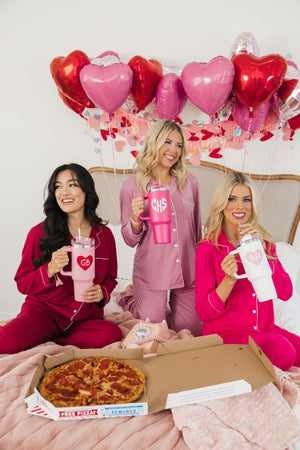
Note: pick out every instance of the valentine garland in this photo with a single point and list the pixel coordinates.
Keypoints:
(245, 97)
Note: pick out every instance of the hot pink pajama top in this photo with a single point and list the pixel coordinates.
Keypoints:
(164, 266)
(242, 311)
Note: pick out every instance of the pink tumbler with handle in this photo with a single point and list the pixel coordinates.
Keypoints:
(82, 265)
(159, 213)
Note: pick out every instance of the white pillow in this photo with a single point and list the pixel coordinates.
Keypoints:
(287, 314)
(289, 257)
(125, 254)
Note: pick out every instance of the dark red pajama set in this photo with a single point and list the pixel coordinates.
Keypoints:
(50, 312)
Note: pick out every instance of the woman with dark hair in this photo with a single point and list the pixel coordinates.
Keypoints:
(50, 311)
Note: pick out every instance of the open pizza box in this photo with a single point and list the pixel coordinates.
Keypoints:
(183, 372)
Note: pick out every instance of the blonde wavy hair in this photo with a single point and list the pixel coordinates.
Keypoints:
(148, 156)
(214, 223)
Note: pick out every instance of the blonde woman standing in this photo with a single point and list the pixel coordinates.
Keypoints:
(229, 306)
(163, 271)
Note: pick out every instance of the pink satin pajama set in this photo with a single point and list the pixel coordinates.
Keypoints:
(162, 270)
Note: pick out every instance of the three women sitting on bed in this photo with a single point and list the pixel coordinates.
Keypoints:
(229, 306)
(163, 269)
(50, 311)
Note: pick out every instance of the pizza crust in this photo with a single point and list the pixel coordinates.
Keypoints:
(92, 381)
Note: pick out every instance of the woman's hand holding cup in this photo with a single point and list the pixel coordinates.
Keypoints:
(93, 294)
(59, 259)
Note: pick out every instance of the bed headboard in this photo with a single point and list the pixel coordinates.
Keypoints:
(280, 196)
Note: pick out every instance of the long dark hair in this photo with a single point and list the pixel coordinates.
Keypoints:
(56, 223)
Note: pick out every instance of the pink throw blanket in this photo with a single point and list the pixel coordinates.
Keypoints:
(220, 424)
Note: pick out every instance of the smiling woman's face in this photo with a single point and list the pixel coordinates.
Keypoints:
(69, 195)
(239, 205)
(170, 151)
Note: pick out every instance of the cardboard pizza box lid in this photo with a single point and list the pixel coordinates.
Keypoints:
(202, 362)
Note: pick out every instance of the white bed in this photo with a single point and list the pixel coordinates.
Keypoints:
(170, 429)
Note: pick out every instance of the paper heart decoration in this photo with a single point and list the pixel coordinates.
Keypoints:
(146, 76)
(119, 145)
(65, 72)
(257, 79)
(108, 87)
(215, 153)
(266, 136)
(208, 85)
(170, 97)
(85, 262)
(110, 132)
(206, 135)
(94, 122)
(255, 257)
(287, 134)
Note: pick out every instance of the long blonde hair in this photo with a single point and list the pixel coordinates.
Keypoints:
(214, 223)
(148, 156)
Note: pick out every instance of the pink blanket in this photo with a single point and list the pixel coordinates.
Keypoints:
(226, 423)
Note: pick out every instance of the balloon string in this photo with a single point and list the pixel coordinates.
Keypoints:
(113, 195)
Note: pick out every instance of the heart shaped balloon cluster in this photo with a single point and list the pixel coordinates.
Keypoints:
(246, 85)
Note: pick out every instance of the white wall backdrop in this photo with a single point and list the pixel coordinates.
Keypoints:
(38, 132)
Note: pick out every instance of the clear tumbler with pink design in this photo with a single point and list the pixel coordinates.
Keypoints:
(256, 266)
(159, 213)
(82, 265)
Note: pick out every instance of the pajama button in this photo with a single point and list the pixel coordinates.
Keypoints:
(173, 214)
(255, 328)
(177, 260)
(254, 311)
(174, 229)
(253, 295)
(75, 310)
(175, 245)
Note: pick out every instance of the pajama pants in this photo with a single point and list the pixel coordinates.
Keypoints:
(280, 346)
(153, 305)
(35, 326)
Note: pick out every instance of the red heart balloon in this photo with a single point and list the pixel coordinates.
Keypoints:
(65, 73)
(146, 75)
(286, 89)
(257, 79)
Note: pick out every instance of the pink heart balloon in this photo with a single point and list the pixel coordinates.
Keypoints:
(108, 86)
(208, 85)
(247, 122)
(170, 97)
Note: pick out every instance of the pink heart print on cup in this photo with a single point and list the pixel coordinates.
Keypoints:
(256, 266)
(159, 213)
(82, 265)
(255, 257)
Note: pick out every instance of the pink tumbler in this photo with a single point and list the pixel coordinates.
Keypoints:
(82, 265)
(159, 213)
